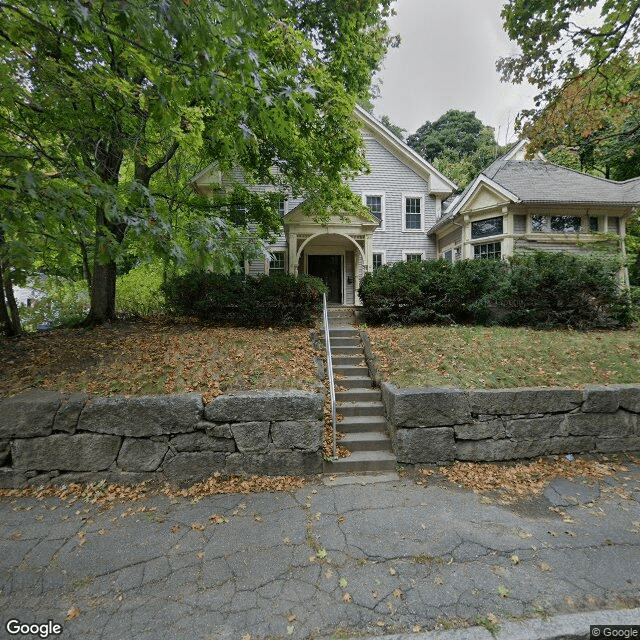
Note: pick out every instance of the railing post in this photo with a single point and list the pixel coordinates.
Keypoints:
(332, 389)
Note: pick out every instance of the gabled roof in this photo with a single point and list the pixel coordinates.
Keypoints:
(540, 182)
(439, 184)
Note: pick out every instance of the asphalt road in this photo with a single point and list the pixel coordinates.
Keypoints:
(331, 560)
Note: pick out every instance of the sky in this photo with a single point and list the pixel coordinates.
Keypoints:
(447, 60)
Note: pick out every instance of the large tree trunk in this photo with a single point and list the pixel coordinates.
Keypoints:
(9, 313)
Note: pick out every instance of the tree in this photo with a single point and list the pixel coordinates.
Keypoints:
(394, 128)
(101, 97)
(458, 144)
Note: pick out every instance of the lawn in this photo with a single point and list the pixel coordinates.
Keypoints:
(502, 357)
(157, 356)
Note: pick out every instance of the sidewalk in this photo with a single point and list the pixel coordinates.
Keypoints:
(336, 559)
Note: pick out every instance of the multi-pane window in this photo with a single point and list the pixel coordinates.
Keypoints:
(374, 204)
(556, 224)
(490, 250)
(276, 264)
(448, 255)
(377, 261)
(414, 257)
(487, 227)
(282, 207)
(412, 213)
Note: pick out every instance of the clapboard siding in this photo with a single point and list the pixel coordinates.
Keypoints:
(532, 245)
(391, 176)
(455, 237)
(519, 224)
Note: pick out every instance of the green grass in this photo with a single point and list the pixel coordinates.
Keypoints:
(505, 357)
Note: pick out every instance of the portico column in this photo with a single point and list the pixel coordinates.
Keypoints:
(292, 241)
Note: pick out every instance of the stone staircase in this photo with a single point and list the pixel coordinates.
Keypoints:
(358, 401)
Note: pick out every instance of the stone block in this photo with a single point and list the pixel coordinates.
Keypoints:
(434, 445)
(5, 450)
(426, 407)
(69, 412)
(185, 469)
(199, 441)
(524, 400)
(275, 462)
(306, 436)
(618, 445)
(141, 454)
(492, 450)
(249, 406)
(480, 430)
(77, 452)
(251, 437)
(12, 479)
(600, 399)
(142, 415)
(571, 444)
(216, 430)
(29, 414)
(611, 425)
(545, 427)
(629, 397)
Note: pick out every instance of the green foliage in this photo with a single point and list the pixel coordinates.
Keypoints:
(138, 291)
(539, 289)
(65, 304)
(104, 106)
(458, 144)
(394, 128)
(429, 292)
(279, 300)
(547, 289)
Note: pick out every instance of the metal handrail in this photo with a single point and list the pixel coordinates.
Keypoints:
(332, 388)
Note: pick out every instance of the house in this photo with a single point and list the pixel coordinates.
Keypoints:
(514, 204)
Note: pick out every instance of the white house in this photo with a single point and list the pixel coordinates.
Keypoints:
(512, 205)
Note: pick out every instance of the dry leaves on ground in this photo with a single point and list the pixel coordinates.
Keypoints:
(523, 480)
(157, 356)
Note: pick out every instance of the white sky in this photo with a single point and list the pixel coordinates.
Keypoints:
(447, 60)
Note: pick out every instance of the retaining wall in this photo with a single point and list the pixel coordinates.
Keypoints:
(439, 425)
(46, 435)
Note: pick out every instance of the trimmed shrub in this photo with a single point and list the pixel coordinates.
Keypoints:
(545, 289)
(539, 289)
(430, 292)
(276, 300)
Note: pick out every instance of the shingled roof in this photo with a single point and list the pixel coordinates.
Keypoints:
(540, 182)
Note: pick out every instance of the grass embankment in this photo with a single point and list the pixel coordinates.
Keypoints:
(501, 357)
(157, 356)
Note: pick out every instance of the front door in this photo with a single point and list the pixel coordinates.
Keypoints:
(329, 270)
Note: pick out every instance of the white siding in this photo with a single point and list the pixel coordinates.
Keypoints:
(391, 176)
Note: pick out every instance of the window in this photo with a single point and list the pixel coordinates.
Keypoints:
(488, 227)
(276, 264)
(556, 224)
(491, 251)
(448, 255)
(378, 261)
(593, 224)
(374, 204)
(412, 220)
(413, 257)
(282, 207)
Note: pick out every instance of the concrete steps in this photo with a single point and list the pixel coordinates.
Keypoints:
(358, 403)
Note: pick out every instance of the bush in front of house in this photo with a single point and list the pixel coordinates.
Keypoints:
(538, 289)
(430, 292)
(247, 301)
(547, 289)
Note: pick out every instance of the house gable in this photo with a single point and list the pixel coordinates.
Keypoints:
(485, 197)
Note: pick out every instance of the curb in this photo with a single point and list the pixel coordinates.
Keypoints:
(562, 627)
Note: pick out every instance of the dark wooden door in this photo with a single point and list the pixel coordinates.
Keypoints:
(329, 270)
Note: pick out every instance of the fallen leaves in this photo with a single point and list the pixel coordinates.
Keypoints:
(524, 480)
(73, 613)
(158, 356)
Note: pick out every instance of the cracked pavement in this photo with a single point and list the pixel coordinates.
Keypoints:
(332, 559)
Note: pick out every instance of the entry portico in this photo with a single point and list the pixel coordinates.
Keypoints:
(338, 251)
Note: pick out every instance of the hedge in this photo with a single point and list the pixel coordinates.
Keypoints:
(247, 301)
(538, 289)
